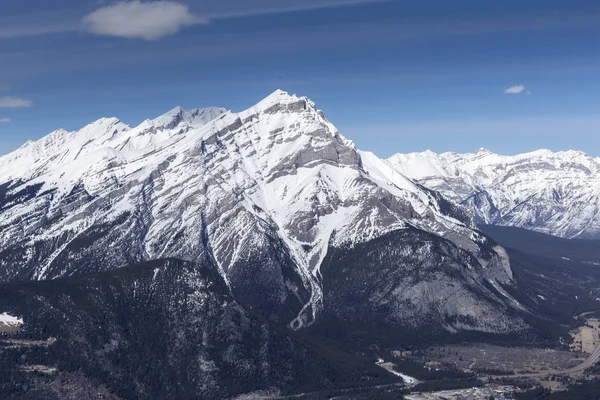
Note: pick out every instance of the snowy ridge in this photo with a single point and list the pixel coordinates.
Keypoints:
(107, 138)
(274, 185)
(552, 192)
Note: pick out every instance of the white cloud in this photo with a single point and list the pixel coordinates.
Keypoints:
(3, 120)
(516, 89)
(134, 19)
(13, 102)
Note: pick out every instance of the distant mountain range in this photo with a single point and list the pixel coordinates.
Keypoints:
(554, 193)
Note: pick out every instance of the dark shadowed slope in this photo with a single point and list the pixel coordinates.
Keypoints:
(163, 329)
(528, 241)
(557, 279)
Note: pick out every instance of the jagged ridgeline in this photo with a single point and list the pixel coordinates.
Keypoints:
(554, 193)
(286, 220)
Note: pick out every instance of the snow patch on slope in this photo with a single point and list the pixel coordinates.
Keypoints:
(10, 321)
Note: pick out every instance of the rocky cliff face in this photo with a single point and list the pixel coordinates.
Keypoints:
(266, 194)
(553, 193)
(410, 287)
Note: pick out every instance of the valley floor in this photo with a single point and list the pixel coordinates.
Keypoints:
(499, 360)
(498, 392)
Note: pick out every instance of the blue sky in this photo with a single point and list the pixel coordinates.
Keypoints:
(394, 76)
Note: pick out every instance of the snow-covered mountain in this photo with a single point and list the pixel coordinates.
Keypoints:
(555, 193)
(268, 194)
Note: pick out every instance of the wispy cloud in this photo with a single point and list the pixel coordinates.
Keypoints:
(152, 20)
(515, 89)
(33, 22)
(134, 19)
(156, 19)
(20, 63)
(4, 120)
(13, 102)
(222, 10)
(179, 15)
(30, 29)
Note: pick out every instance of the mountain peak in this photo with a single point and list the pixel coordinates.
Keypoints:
(173, 113)
(179, 115)
(280, 93)
(279, 97)
(103, 122)
(102, 127)
(172, 117)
